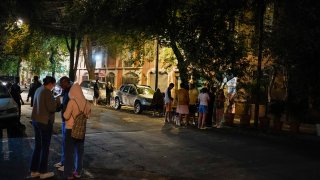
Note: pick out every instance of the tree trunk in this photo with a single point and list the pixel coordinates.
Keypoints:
(77, 56)
(181, 63)
(71, 48)
(87, 54)
(260, 49)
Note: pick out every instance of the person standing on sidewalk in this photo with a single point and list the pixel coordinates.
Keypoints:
(219, 104)
(183, 105)
(15, 92)
(77, 103)
(33, 87)
(203, 107)
(168, 103)
(193, 97)
(96, 92)
(65, 84)
(44, 108)
(109, 90)
(157, 103)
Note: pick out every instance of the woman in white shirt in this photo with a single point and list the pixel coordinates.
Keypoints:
(203, 107)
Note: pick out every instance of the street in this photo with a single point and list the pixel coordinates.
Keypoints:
(123, 145)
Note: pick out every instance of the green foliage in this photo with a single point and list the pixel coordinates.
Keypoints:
(31, 46)
(208, 38)
(16, 39)
(8, 64)
(294, 44)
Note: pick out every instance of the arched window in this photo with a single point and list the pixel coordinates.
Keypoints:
(162, 80)
(110, 77)
(130, 78)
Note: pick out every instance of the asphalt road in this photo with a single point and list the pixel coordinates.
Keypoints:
(123, 145)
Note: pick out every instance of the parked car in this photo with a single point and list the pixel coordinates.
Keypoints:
(9, 112)
(137, 96)
(87, 89)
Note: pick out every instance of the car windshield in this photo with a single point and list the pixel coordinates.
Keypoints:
(4, 92)
(145, 90)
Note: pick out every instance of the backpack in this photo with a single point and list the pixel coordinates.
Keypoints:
(79, 126)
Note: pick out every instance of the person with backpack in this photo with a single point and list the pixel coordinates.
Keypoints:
(33, 87)
(76, 114)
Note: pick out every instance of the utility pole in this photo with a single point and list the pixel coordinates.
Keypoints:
(261, 6)
(157, 63)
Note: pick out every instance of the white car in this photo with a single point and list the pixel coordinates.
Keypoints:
(9, 112)
(87, 89)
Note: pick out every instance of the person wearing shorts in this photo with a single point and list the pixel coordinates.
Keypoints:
(203, 107)
(168, 102)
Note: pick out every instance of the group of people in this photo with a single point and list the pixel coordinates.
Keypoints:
(45, 105)
(189, 102)
(96, 91)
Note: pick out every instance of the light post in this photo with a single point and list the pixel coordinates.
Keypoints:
(261, 28)
(157, 63)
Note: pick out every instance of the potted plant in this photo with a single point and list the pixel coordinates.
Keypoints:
(229, 116)
(276, 110)
(242, 105)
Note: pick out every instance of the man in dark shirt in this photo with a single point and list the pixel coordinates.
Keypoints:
(65, 84)
(96, 92)
(15, 92)
(33, 87)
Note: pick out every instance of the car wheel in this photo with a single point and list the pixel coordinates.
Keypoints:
(117, 104)
(137, 108)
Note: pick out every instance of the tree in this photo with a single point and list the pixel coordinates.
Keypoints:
(294, 44)
(16, 42)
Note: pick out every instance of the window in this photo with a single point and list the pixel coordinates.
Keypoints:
(85, 84)
(4, 92)
(132, 90)
(126, 89)
(110, 78)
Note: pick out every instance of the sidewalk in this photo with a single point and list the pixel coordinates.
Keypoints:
(306, 136)
(307, 132)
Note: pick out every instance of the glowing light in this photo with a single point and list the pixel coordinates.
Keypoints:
(19, 22)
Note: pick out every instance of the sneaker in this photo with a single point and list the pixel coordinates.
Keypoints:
(61, 168)
(46, 175)
(34, 174)
(57, 165)
(76, 174)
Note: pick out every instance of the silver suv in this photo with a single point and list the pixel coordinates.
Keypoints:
(137, 96)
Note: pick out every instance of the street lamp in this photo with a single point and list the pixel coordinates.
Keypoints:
(157, 63)
(19, 22)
